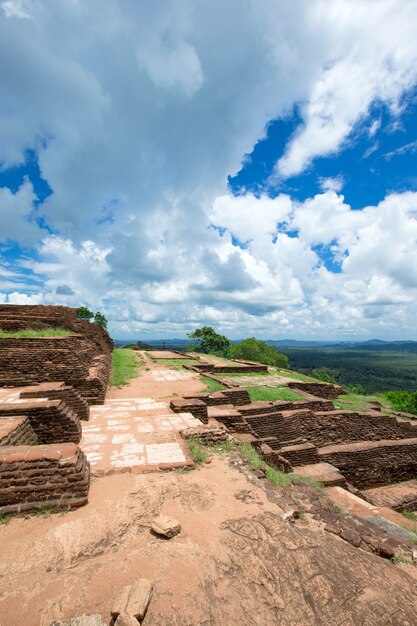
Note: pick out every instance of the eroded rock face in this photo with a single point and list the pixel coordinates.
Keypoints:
(295, 576)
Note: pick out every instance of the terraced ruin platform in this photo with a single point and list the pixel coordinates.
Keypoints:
(137, 435)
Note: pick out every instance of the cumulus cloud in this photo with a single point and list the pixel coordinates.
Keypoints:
(137, 128)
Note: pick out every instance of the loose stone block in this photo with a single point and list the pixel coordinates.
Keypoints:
(166, 526)
(133, 599)
(125, 619)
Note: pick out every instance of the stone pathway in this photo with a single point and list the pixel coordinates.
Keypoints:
(135, 434)
(259, 381)
(171, 375)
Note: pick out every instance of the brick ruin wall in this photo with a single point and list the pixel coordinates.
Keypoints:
(329, 391)
(54, 391)
(17, 431)
(51, 420)
(324, 428)
(82, 360)
(40, 463)
(377, 449)
(373, 464)
(33, 478)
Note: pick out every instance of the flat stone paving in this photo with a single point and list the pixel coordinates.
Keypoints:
(171, 375)
(399, 495)
(260, 381)
(166, 354)
(135, 434)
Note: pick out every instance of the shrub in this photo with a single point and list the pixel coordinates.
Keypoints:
(84, 313)
(405, 401)
(324, 375)
(256, 350)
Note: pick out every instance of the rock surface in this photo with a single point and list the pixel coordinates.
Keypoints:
(87, 620)
(166, 526)
(133, 599)
(125, 619)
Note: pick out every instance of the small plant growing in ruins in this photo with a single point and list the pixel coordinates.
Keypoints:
(198, 452)
(278, 478)
(342, 510)
(400, 558)
(5, 519)
(224, 446)
(410, 515)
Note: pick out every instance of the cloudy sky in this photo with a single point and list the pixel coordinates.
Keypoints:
(248, 164)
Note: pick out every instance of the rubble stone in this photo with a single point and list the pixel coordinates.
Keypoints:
(166, 526)
(133, 599)
(125, 619)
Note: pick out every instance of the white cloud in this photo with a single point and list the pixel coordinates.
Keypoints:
(139, 111)
(376, 59)
(335, 183)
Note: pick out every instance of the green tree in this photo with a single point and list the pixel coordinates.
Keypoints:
(208, 341)
(324, 375)
(100, 320)
(256, 350)
(84, 313)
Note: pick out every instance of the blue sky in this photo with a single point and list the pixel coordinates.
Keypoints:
(266, 185)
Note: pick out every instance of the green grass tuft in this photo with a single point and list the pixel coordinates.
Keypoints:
(124, 366)
(308, 481)
(5, 519)
(272, 393)
(410, 515)
(211, 385)
(249, 453)
(25, 334)
(278, 478)
(174, 364)
(399, 558)
(197, 450)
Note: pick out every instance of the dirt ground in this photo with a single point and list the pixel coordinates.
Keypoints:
(236, 562)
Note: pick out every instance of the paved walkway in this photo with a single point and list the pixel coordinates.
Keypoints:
(135, 434)
(259, 381)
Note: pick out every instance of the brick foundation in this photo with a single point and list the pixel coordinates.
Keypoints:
(329, 391)
(51, 420)
(54, 391)
(32, 478)
(17, 431)
(373, 464)
(82, 359)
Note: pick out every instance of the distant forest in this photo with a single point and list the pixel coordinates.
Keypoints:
(375, 370)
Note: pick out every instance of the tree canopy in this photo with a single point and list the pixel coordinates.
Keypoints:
(256, 350)
(207, 341)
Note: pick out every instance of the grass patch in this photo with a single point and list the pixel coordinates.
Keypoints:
(211, 385)
(278, 478)
(5, 519)
(361, 403)
(197, 450)
(272, 393)
(291, 374)
(410, 515)
(175, 364)
(124, 366)
(308, 481)
(45, 332)
(246, 451)
(243, 373)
